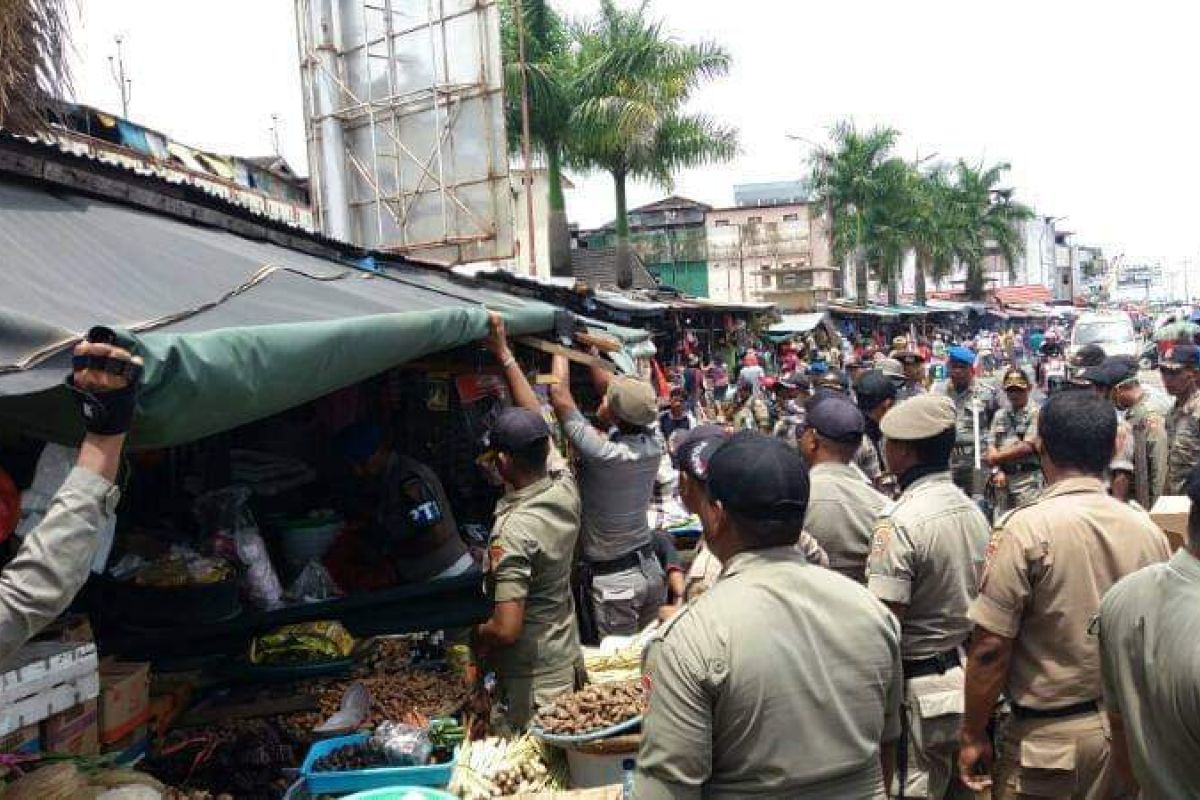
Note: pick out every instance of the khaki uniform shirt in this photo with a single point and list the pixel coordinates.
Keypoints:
(53, 562)
(1151, 449)
(779, 682)
(530, 554)
(616, 482)
(1183, 432)
(927, 554)
(1150, 660)
(1049, 563)
(841, 514)
(1024, 476)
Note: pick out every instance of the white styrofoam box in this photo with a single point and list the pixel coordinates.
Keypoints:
(38, 666)
(58, 698)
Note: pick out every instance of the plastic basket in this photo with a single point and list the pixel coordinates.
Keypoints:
(570, 740)
(402, 793)
(361, 780)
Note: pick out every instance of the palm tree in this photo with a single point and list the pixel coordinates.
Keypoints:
(991, 222)
(935, 227)
(852, 182)
(633, 83)
(550, 82)
(34, 35)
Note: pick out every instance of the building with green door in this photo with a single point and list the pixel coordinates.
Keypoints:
(669, 235)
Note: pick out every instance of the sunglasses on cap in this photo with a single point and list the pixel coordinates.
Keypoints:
(1171, 368)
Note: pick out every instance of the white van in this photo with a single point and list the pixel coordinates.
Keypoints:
(1113, 331)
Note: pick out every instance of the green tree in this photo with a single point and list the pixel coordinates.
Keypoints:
(991, 222)
(550, 78)
(633, 82)
(34, 36)
(935, 227)
(857, 180)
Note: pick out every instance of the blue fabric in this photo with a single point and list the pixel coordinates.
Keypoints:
(133, 137)
(964, 355)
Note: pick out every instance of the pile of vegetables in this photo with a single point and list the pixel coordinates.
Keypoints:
(496, 767)
(593, 708)
(305, 643)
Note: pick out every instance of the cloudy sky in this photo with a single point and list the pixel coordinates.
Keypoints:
(1093, 103)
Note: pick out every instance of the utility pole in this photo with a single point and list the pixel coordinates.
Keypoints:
(275, 135)
(116, 65)
(519, 9)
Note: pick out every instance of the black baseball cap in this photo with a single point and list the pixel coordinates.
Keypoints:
(696, 447)
(759, 477)
(517, 428)
(836, 418)
(1180, 356)
(1090, 355)
(873, 386)
(833, 379)
(1112, 371)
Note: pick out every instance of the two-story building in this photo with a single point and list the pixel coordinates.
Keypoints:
(774, 253)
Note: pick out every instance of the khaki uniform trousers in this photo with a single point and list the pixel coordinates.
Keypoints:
(933, 707)
(1066, 759)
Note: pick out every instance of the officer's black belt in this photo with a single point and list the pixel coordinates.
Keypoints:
(1079, 709)
(1017, 469)
(935, 665)
(622, 563)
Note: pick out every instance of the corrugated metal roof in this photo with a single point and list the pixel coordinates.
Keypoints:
(598, 269)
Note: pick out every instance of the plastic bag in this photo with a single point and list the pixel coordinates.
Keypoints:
(313, 585)
(356, 704)
(224, 516)
(402, 745)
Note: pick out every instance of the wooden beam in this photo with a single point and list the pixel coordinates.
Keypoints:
(586, 359)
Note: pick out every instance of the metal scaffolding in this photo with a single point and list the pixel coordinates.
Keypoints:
(404, 116)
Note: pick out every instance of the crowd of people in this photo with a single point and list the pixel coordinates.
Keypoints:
(903, 589)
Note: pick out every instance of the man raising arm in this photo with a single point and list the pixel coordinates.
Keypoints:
(53, 562)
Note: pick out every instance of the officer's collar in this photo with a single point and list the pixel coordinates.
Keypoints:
(1074, 485)
(1186, 564)
(514, 496)
(749, 559)
(918, 472)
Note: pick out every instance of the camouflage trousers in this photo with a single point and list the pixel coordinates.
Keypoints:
(1021, 488)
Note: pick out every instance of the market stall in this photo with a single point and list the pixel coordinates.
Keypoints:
(232, 617)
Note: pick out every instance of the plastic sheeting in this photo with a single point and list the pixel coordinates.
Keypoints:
(231, 329)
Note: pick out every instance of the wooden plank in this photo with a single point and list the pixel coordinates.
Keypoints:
(603, 343)
(586, 359)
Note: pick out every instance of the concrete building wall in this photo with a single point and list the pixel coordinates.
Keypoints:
(777, 254)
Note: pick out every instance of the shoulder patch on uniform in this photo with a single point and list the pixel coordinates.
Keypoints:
(881, 536)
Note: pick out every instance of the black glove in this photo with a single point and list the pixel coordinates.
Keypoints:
(107, 413)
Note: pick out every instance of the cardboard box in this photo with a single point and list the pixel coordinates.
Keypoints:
(75, 731)
(24, 741)
(124, 698)
(1170, 513)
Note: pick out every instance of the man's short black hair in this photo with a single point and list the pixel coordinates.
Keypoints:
(531, 459)
(762, 533)
(1078, 430)
(935, 451)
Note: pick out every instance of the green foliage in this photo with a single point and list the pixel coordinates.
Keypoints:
(882, 207)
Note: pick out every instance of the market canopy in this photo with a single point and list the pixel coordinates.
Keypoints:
(796, 323)
(231, 329)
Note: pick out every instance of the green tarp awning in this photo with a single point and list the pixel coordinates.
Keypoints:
(232, 329)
